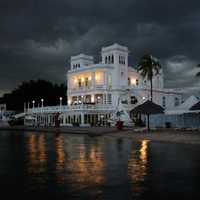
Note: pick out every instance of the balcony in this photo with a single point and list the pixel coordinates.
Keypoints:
(86, 89)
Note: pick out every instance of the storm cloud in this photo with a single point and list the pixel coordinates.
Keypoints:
(38, 37)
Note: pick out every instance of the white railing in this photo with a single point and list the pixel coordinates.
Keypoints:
(86, 89)
(81, 107)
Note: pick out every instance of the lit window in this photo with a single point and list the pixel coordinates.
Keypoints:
(86, 82)
(79, 82)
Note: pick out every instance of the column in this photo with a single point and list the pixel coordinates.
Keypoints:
(93, 80)
(82, 118)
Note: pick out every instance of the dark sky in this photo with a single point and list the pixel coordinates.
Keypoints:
(37, 37)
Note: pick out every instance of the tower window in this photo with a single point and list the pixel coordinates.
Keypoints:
(112, 59)
(106, 60)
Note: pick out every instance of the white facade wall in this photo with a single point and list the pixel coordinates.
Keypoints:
(114, 76)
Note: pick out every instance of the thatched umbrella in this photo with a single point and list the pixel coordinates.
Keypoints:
(196, 106)
(148, 108)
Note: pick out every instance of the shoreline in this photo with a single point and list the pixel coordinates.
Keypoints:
(159, 135)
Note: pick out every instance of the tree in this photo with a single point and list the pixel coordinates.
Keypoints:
(148, 67)
(34, 90)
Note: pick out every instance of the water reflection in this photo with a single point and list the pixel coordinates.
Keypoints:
(137, 166)
(60, 159)
(67, 166)
(37, 157)
(87, 169)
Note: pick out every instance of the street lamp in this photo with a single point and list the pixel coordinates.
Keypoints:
(60, 101)
(33, 102)
(42, 100)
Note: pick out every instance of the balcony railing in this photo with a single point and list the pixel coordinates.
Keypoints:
(80, 107)
(86, 89)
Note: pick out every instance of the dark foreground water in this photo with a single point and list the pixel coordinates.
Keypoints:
(48, 166)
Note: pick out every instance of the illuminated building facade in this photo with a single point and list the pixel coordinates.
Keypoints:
(95, 90)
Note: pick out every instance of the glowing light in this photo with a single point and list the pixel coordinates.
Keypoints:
(133, 81)
(89, 78)
(69, 101)
(92, 98)
(82, 79)
(143, 98)
(97, 77)
(75, 80)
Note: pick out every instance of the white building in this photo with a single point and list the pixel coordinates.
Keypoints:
(95, 91)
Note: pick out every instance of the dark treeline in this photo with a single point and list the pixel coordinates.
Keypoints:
(35, 90)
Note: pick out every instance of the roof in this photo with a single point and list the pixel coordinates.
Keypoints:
(185, 107)
(189, 102)
(148, 107)
(196, 106)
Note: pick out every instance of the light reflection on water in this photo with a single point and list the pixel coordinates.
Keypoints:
(99, 168)
(81, 162)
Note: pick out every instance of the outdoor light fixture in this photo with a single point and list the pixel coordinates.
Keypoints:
(60, 101)
(42, 100)
(33, 103)
(133, 81)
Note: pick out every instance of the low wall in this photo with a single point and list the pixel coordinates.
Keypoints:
(189, 120)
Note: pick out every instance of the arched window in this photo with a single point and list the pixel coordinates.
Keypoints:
(112, 60)
(106, 60)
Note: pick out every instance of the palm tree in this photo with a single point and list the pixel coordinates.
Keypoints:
(148, 67)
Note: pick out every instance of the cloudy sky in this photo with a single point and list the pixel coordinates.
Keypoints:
(37, 37)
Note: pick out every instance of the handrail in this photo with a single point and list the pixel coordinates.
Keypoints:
(81, 107)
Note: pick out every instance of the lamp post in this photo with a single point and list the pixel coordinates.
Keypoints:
(42, 104)
(42, 101)
(60, 102)
(33, 102)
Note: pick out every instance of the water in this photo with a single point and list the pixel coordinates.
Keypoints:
(49, 166)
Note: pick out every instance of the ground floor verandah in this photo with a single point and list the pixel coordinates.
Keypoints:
(69, 119)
